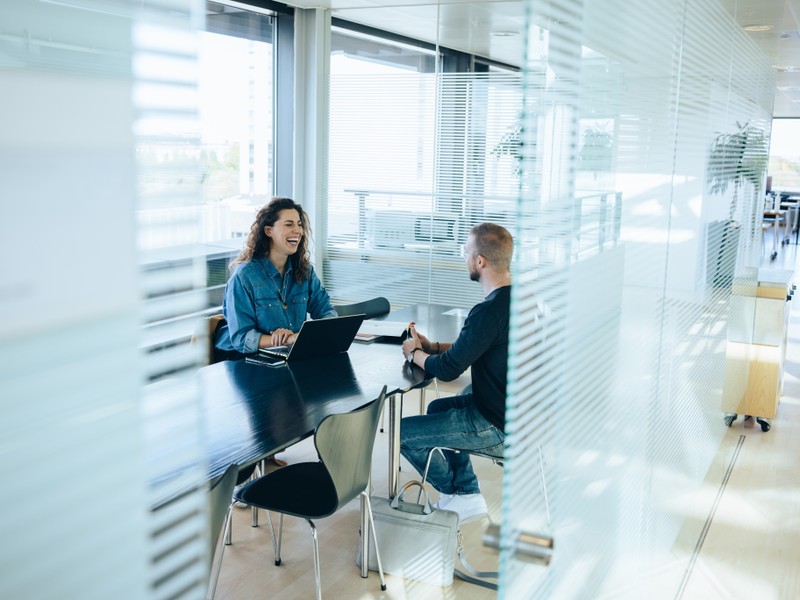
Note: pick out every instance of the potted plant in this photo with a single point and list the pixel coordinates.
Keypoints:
(510, 144)
(597, 151)
(736, 159)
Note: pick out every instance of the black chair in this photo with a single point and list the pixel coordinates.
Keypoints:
(376, 307)
(314, 490)
(219, 500)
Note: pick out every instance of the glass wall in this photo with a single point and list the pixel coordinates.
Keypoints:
(85, 440)
(617, 397)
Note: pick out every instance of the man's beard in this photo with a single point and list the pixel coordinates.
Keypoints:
(474, 276)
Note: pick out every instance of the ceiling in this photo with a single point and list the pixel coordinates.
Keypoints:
(493, 29)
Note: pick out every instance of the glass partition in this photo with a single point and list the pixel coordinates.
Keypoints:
(618, 396)
(626, 148)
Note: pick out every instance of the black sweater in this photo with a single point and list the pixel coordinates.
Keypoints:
(482, 344)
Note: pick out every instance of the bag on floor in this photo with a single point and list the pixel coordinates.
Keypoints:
(416, 541)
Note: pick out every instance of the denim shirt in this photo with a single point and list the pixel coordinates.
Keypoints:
(252, 304)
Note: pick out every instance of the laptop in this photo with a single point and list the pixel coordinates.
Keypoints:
(319, 337)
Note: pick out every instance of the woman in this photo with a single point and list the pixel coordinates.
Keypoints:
(273, 287)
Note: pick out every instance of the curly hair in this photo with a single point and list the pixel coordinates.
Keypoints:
(258, 244)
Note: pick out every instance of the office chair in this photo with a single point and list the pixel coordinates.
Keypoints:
(206, 334)
(376, 307)
(219, 501)
(314, 490)
(477, 577)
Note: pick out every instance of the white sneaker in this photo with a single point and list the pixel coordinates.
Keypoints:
(469, 507)
(443, 500)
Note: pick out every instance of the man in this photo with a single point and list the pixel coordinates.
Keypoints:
(474, 420)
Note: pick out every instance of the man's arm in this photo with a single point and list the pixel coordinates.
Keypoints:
(474, 339)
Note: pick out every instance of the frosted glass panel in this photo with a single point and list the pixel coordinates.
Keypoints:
(642, 258)
(77, 482)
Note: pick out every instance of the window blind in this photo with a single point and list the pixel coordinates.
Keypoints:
(415, 160)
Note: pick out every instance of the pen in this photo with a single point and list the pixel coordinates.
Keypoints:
(408, 331)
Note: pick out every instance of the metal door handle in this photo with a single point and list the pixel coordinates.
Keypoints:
(530, 547)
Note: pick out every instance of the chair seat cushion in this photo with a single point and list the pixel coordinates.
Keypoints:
(301, 490)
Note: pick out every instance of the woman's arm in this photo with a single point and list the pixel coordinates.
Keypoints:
(240, 313)
(319, 303)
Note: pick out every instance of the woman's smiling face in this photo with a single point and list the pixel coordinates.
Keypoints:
(286, 233)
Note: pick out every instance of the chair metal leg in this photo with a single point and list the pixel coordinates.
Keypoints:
(428, 463)
(374, 539)
(316, 558)
(216, 565)
(395, 412)
(364, 541)
(228, 528)
(276, 544)
(261, 468)
(258, 472)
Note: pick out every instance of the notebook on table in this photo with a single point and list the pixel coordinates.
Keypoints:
(319, 337)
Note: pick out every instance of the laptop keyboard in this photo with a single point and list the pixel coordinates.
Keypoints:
(282, 351)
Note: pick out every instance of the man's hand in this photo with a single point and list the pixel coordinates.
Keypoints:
(424, 342)
(413, 342)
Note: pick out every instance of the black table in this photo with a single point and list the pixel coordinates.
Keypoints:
(251, 411)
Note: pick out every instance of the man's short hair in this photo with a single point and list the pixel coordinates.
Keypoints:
(494, 243)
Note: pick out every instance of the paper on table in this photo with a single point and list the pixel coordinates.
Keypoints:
(387, 328)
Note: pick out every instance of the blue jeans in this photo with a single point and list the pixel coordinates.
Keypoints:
(452, 423)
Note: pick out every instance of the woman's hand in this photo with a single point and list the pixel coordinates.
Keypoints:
(282, 337)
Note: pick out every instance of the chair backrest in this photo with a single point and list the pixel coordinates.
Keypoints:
(344, 443)
(212, 323)
(219, 499)
(376, 307)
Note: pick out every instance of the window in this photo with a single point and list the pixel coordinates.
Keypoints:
(233, 159)
(784, 155)
(416, 158)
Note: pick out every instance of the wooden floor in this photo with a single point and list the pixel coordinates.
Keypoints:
(751, 550)
(248, 570)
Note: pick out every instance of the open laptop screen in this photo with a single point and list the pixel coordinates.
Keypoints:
(319, 337)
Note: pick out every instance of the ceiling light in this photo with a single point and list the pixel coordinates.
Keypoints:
(757, 27)
(505, 33)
